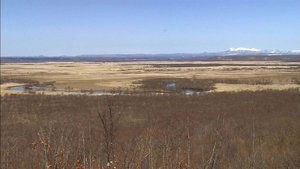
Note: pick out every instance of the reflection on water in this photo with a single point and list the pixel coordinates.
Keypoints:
(189, 91)
(28, 88)
(32, 89)
(18, 88)
(171, 85)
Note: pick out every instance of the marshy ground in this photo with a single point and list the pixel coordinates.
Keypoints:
(129, 76)
(148, 115)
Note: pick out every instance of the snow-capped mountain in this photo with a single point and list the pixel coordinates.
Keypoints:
(244, 49)
(254, 51)
(295, 51)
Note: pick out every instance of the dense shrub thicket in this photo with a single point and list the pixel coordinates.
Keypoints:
(217, 130)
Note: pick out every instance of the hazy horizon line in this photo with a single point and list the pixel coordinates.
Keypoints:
(159, 53)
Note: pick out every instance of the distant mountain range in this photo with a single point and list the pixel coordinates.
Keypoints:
(231, 54)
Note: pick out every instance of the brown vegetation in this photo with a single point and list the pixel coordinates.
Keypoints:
(208, 64)
(176, 84)
(16, 80)
(200, 85)
(113, 75)
(217, 130)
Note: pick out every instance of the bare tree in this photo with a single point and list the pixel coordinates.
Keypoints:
(109, 120)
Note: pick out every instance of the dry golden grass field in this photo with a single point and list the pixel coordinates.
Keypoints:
(130, 75)
(150, 115)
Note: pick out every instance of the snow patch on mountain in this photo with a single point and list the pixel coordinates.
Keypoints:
(244, 49)
(295, 51)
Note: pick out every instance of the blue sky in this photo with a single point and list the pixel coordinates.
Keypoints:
(75, 27)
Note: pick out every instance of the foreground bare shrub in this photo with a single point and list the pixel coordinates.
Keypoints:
(218, 130)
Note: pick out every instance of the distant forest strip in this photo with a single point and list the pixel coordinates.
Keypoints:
(167, 57)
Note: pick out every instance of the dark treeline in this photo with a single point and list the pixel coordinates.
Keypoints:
(147, 57)
(217, 130)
